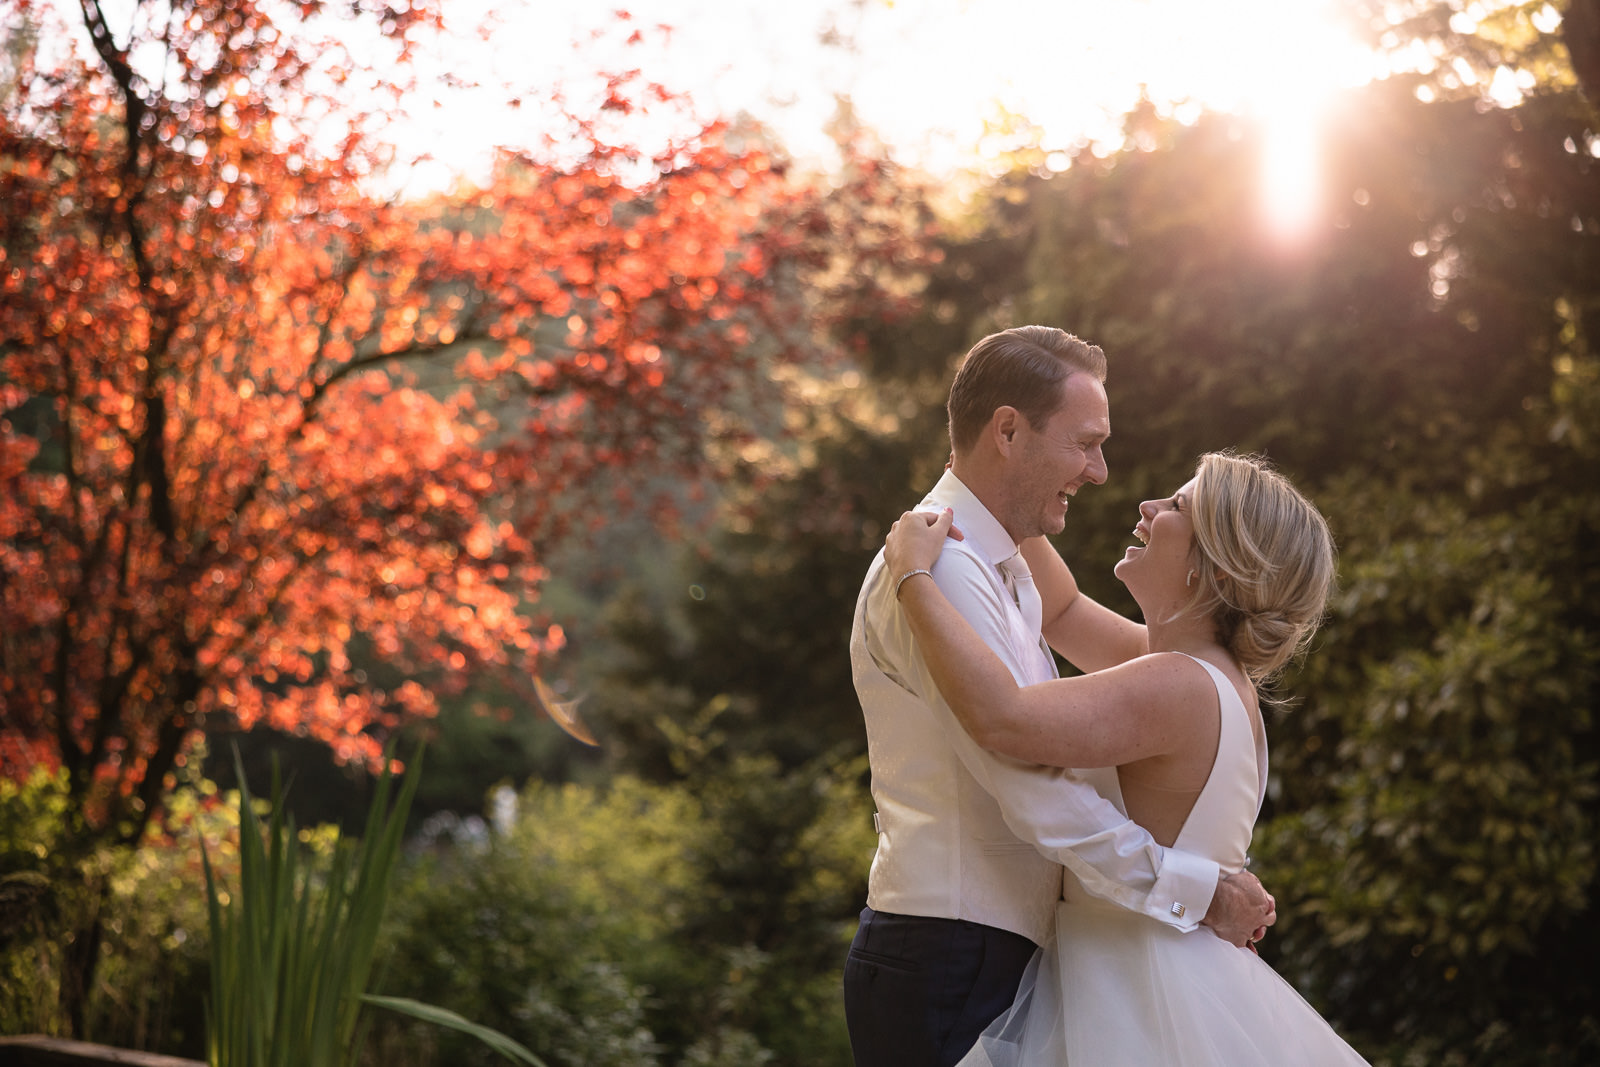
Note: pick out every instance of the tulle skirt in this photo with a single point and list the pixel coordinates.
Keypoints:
(1116, 989)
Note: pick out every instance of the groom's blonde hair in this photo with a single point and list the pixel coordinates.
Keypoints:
(1023, 368)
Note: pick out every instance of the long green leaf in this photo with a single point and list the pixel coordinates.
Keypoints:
(293, 947)
(444, 1017)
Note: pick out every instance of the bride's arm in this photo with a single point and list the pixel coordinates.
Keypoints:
(1115, 716)
(1111, 717)
(1088, 634)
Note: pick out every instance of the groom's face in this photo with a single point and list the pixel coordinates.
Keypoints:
(1050, 463)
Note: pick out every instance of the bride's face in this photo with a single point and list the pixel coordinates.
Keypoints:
(1157, 569)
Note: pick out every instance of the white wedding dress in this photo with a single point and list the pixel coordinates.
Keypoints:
(1117, 989)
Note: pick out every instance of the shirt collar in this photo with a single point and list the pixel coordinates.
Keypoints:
(981, 529)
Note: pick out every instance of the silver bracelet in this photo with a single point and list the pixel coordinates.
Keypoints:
(909, 574)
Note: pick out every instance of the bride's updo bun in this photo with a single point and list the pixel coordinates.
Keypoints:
(1266, 561)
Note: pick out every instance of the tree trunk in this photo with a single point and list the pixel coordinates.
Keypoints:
(80, 956)
(1580, 32)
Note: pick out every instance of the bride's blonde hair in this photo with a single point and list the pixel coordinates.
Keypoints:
(1266, 561)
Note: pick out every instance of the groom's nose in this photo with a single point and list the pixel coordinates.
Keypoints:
(1095, 469)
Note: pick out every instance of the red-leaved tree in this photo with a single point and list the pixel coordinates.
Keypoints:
(252, 411)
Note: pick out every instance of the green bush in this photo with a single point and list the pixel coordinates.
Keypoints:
(528, 932)
(147, 905)
(641, 924)
(1439, 788)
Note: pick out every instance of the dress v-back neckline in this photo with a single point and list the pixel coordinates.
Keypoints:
(1223, 815)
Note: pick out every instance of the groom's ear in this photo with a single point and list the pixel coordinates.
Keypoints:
(1003, 426)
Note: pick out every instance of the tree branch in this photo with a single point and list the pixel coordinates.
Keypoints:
(134, 110)
(1580, 32)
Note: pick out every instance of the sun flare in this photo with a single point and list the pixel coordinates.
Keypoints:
(1290, 173)
(1273, 62)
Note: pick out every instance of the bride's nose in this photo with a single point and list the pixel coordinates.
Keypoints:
(1147, 509)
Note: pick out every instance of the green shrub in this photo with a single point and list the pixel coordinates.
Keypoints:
(148, 905)
(642, 924)
(528, 933)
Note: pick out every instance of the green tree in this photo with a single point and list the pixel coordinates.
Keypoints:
(1424, 365)
(1461, 49)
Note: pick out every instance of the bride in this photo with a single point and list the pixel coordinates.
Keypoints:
(1232, 575)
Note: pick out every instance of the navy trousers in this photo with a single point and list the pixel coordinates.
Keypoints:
(919, 991)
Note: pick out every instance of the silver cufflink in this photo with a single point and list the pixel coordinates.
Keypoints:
(877, 823)
(1177, 909)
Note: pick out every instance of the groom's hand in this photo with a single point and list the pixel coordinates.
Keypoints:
(1241, 910)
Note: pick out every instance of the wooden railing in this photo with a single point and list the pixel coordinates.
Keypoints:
(35, 1051)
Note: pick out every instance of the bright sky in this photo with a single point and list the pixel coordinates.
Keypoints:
(925, 74)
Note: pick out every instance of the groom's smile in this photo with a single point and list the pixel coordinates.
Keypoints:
(1052, 462)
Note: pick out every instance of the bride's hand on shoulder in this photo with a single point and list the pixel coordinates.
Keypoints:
(916, 539)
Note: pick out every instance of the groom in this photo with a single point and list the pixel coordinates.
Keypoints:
(971, 844)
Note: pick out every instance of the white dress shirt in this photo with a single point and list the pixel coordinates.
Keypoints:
(969, 834)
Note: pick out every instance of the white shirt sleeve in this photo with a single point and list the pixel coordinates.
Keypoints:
(1059, 813)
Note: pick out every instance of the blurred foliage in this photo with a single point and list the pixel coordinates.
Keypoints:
(480, 737)
(144, 907)
(1468, 50)
(748, 655)
(1439, 797)
(641, 924)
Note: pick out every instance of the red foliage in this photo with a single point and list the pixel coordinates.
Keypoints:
(250, 413)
